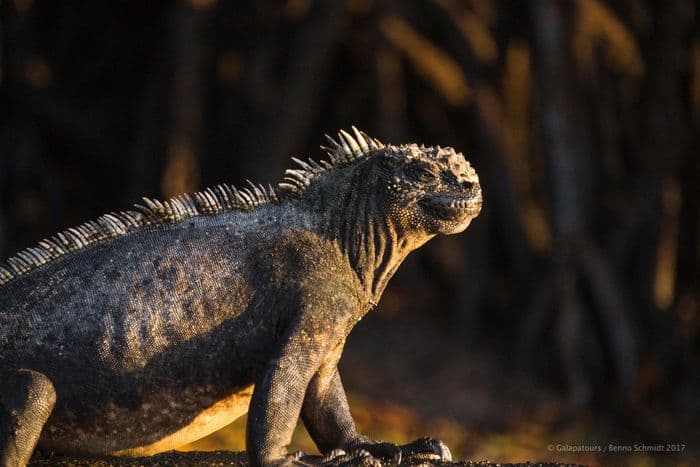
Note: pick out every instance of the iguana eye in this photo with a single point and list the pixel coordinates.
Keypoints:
(422, 173)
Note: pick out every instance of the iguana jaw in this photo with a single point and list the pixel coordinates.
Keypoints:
(451, 208)
(451, 214)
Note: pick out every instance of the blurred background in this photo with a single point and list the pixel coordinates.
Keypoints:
(566, 317)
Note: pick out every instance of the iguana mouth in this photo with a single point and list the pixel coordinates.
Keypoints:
(451, 207)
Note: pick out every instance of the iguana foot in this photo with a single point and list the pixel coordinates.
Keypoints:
(340, 458)
(388, 451)
(420, 449)
(426, 449)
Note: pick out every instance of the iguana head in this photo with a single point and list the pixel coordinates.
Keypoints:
(431, 189)
(428, 190)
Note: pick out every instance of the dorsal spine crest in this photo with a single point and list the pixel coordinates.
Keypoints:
(347, 150)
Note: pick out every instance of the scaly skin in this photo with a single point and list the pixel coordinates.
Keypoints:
(139, 339)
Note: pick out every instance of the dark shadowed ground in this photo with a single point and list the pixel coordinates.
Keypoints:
(222, 458)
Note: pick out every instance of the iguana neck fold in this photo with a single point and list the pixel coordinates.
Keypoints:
(353, 217)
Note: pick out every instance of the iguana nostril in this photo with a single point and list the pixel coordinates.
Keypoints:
(467, 186)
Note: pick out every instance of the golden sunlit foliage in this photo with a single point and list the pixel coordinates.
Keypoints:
(475, 30)
(597, 25)
(599, 28)
(181, 174)
(517, 99)
(439, 69)
(666, 260)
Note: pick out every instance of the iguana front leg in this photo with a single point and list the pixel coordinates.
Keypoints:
(327, 417)
(281, 386)
(276, 402)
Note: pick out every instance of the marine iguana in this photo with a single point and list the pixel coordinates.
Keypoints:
(147, 329)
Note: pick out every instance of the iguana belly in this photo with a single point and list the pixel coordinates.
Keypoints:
(208, 421)
(154, 427)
